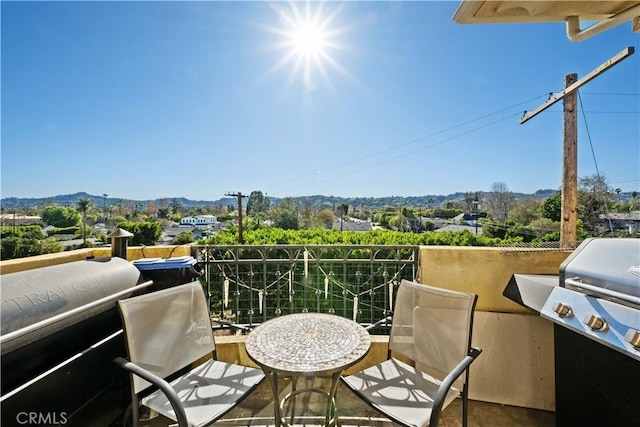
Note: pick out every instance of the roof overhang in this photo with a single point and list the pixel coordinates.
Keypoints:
(606, 14)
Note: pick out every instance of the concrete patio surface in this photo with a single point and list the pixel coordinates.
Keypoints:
(257, 410)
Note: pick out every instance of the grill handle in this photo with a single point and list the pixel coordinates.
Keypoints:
(575, 282)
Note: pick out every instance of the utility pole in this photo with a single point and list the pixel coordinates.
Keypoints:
(239, 196)
(106, 216)
(476, 205)
(569, 189)
(569, 215)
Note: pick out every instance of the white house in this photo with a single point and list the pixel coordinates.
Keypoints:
(199, 220)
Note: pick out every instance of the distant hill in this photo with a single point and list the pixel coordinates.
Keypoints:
(72, 200)
(316, 202)
(319, 201)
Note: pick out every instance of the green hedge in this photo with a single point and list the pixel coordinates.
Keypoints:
(320, 236)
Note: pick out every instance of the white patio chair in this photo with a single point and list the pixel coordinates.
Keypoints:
(432, 328)
(169, 332)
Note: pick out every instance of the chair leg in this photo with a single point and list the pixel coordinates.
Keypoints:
(135, 410)
(465, 404)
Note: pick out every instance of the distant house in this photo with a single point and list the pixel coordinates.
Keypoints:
(170, 233)
(458, 219)
(629, 221)
(199, 220)
(12, 219)
(352, 225)
(466, 218)
(100, 228)
(437, 222)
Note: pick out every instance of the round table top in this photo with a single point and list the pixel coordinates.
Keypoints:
(308, 343)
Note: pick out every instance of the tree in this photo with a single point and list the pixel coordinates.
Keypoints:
(545, 226)
(284, 215)
(499, 201)
(326, 217)
(83, 206)
(258, 203)
(470, 201)
(551, 207)
(114, 221)
(634, 204)
(59, 216)
(524, 211)
(400, 222)
(307, 216)
(183, 238)
(594, 197)
(176, 206)
(144, 233)
(25, 241)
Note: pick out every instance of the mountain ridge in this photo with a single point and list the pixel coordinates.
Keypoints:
(315, 201)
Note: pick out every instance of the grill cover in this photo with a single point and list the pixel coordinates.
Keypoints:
(34, 295)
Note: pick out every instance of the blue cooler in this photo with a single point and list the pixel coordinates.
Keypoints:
(169, 272)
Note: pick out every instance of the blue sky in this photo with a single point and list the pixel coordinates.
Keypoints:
(144, 100)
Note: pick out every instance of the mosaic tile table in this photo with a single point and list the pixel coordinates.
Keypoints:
(306, 345)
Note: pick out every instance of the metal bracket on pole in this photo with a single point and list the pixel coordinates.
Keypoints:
(602, 68)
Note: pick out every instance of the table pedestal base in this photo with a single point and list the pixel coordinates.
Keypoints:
(330, 415)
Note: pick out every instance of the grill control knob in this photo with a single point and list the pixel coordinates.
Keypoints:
(596, 323)
(563, 310)
(633, 337)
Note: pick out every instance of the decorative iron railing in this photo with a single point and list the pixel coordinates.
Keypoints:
(248, 285)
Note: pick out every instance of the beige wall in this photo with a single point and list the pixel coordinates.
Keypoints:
(517, 365)
(39, 261)
(485, 271)
(133, 253)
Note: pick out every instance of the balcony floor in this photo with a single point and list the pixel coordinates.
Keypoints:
(257, 410)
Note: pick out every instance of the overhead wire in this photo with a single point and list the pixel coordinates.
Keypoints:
(595, 161)
(413, 141)
(389, 160)
(611, 93)
(601, 112)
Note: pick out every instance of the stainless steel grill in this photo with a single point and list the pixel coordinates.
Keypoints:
(599, 294)
(594, 304)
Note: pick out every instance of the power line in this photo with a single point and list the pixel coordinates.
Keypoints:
(595, 162)
(600, 112)
(405, 154)
(351, 162)
(413, 141)
(632, 179)
(611, 93)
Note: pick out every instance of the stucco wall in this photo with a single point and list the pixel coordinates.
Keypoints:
(517, 363)
(133, 253)
(485, 271)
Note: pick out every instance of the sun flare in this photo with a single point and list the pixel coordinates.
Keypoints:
(308, 37)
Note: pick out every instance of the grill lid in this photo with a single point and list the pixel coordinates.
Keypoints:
(605, 267)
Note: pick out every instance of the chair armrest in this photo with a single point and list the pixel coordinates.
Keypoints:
(379, 322)
(448, 381)
(164, 386)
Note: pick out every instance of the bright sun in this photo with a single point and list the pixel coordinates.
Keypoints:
(308, 38)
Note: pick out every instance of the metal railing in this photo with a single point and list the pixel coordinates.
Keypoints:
(247, 285)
